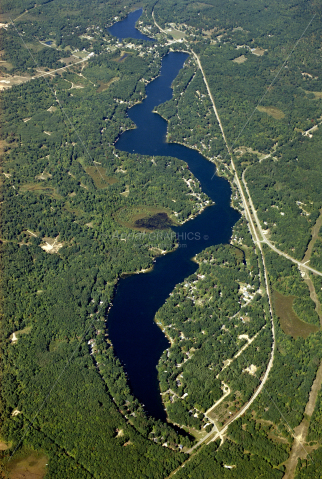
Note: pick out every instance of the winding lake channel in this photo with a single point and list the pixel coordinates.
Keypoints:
(138, 341)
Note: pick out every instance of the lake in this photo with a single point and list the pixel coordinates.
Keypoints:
(126, 28)
(137, 340)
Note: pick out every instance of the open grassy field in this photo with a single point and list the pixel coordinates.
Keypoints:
(176, 34)
(27, 466)
(144, 218)
(272, 111)
(317, 94)
(41, 189)
(3, 445)
(289, 321)
(98, 175)
(104, 86)
(240, 59)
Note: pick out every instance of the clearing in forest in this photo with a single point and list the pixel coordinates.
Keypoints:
(98, 175)
(289, 321)
(272, 111)
(240, 59)
(258, 51)
(144, 218)
(317, 94)
(32, 466)
(40, 189)
(105, 85)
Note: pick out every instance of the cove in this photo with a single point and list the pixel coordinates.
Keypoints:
(138, 341)
(126, 28)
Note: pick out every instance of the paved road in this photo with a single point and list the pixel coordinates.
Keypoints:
(266, 240)
(258, 242)
(254, 232)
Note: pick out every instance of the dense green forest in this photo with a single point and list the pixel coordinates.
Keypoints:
(209, 319)
(69, 198)
(55, 303)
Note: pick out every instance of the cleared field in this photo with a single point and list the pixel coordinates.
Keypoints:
(8, 66)
(144, 218)
(14, 337)
(240, 59)
(258, 51)
(4, 446)
(4, 146)
(72, 209)
(32, 466)
(81, 54)
(289, 321)
(176, 34)
(104, 86)
(9, 81)
(69, 60)
(98, 175)
(272, 111)
(35, 46)
(40, 189)
(317, 94)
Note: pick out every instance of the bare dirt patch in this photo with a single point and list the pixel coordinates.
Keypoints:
(9, 81)
(289, 321)
(43, 176)
(272, 111)
(14, 337)
(4, 446)
(251, 369)
(258, 51)
(126, 192)
(51, 245)
(98, 175)
(240, 59)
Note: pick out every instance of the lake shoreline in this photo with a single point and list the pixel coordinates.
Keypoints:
(137, 339)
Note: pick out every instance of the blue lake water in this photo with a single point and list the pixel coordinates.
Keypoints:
(137, 339)
(126, 28)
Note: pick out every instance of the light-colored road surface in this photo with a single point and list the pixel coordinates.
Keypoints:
(258, 243)
(227, 392)
(258, 238)
(59, 69)
(212, 100)
(298, 450)
(266, 240)
(157, 25)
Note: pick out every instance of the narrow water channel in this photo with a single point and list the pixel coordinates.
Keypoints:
(137, 340)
